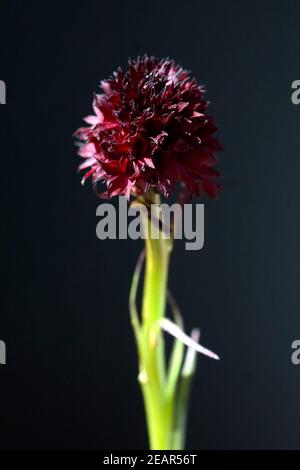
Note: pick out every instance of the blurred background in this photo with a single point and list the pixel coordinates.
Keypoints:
(70, 379)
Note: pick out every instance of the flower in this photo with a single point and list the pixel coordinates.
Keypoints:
(150, 130)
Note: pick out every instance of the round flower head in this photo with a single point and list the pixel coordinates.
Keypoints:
(150, 130)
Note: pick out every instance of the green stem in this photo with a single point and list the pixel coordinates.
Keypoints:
(152, 361)
(158, 411)
(164, 400)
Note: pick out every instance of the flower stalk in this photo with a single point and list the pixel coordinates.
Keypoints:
(165, 400)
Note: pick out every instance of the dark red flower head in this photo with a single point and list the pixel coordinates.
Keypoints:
(150, 129)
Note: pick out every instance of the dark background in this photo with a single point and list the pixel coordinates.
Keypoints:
(70, 378)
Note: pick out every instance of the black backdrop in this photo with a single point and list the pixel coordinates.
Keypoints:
(70, 378)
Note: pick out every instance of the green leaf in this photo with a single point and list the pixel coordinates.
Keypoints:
(177, 351)
(133, 293)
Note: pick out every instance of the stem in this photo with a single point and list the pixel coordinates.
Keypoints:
(164, 398)
(183, 394)
(158, 410)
